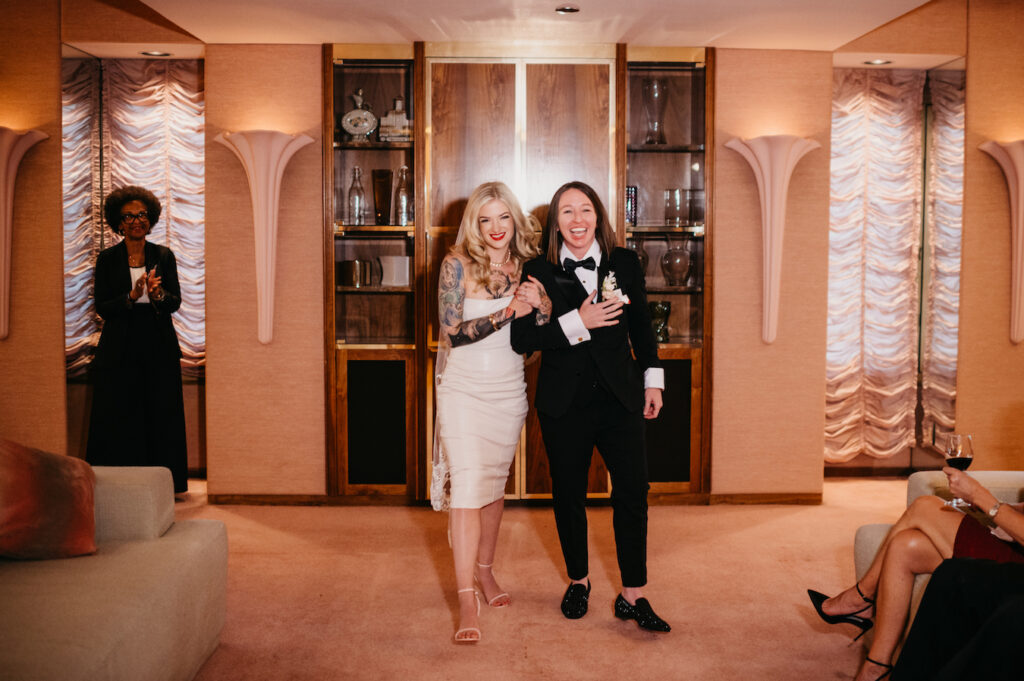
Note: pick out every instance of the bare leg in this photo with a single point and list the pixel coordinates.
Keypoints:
(490, 524)
(465, 541)
(925, 514)
(910, 553)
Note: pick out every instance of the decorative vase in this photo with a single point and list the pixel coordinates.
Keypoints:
(676, 263)
(660, 310)
(654, 97)
(638, 246)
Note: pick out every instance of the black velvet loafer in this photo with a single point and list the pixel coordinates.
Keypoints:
(641, 612)
(574, 602)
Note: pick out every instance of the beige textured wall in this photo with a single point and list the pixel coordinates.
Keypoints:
(769, 400)
(939, 27)
(265, 403)
(990, 377)
(32, 356)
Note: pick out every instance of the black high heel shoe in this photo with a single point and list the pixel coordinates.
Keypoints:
(863, 623)
(886, 667)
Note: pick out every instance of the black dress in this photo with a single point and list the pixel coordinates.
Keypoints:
(138, 413)
(969, 626)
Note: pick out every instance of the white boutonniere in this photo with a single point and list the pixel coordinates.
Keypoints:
(610, 289)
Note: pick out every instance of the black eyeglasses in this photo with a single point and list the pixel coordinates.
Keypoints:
(130, 218)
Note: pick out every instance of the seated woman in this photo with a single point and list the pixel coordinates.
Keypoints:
(925, 535)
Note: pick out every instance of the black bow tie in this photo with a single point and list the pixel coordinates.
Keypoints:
(570, 265)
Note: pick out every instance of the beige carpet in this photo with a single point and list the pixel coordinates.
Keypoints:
(368, 593)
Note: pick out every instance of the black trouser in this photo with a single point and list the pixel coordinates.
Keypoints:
(596, 418)
(969, 625)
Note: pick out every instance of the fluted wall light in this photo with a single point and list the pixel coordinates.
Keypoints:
(1010, 157)
(264, 154)
(13, 145)
(772, 158)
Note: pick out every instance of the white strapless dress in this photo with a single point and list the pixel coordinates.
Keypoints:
(481, 406)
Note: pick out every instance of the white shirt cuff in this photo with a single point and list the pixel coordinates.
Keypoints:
(654, 378)
(572, 327)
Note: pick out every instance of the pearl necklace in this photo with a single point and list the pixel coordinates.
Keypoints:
(499, 265)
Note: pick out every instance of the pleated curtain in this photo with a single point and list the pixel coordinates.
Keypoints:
(140, 122)
(874, 237)
(944, 227)
(879, 321)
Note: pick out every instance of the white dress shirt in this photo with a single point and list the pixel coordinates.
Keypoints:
(571, 322)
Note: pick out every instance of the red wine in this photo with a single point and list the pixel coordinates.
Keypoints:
(961, 463)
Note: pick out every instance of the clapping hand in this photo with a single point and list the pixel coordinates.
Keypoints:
(153, 283)
(139, 288)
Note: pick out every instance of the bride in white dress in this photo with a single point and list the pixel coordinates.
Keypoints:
(481, 392)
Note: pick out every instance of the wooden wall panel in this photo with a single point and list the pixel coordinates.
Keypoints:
(990, 392)
(568, 135)
(473, 133)
(32, 397)
(264, 402)
(769, 400)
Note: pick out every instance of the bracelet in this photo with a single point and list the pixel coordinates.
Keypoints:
(156, 297)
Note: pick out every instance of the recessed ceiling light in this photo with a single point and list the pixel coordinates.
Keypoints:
(878, 62)
(155, 53)
(567, 9)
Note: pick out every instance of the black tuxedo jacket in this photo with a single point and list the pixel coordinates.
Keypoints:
(564, 367)
(113, 281)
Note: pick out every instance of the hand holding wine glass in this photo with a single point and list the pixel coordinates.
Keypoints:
(959, 455)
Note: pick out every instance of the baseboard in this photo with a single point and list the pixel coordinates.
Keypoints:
(310, 500)
(800, 498)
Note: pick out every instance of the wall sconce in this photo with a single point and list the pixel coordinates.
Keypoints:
(772, 158)
(13, 145)
(1010, 157)
(264, 154)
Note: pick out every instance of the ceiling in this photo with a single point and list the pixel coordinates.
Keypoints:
(758, 24)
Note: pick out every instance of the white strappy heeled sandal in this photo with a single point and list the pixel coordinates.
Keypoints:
(503, 594)
(462, 635)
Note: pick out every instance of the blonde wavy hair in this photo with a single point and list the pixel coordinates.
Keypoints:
(470, 243)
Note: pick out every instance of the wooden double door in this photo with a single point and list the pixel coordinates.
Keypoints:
(533, 125)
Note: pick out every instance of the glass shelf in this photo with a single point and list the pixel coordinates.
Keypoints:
(688, 290)
(375, 231)
(688, 231)
(369, 289)
(665, 148)
(372, 144)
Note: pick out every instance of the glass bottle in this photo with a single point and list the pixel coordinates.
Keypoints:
(356, 198)
(403, 198)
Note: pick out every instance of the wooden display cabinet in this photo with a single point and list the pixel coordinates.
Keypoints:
(664, 211)
(533, 123)
(374, 308)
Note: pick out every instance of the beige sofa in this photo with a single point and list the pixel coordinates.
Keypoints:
(1007, 486)
(147, 606)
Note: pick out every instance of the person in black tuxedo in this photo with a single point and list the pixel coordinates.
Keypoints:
(591, 391)
(138, 413)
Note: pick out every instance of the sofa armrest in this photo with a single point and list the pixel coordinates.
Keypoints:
(1007, 486)
(133, 502)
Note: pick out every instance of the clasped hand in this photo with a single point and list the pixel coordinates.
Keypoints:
(528, 296)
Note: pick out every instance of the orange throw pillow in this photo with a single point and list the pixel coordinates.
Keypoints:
(46, 504)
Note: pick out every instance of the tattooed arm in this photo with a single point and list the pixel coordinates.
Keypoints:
(451, 296)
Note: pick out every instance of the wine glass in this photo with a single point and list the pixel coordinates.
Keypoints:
(959, 455)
